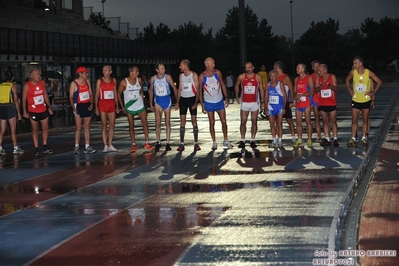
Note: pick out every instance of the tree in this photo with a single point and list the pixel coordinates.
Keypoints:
(99, 20)
(322, 42)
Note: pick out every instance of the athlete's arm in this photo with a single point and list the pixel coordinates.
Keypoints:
(196, 84)
(121, 88)
(348, 78)
(284, 94)
(377, 80)
(116, 98)
(172, 84)
(261, 90)
(16, 101)
(333, 86)
(237, 87)
(310, 83)
(224, 89)
(287, 81)
(47, 100)
(151, 93)
(90, 95)
(97, 96)
(72, 89)
(200, 91)
(179, 90)
(24, 94)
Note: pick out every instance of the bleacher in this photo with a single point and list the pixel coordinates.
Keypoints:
(19, 16)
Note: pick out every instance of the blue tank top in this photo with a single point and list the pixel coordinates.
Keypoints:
(276, 98)
(162, 92)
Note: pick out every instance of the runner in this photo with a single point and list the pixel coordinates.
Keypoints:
(81, 99)
(9, 111)
(213, 99)
(326, 88)
(187, 98)
(315, 101)
(289, 91)
(106, 104)
(230, 86)
(252, 97)
(263, 75)
(160, 94)
(362, 97)
(131, 87)
(276, 99)
(36, 106)
(303, 90)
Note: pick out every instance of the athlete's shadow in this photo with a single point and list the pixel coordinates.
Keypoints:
(253, 159)
(175, 166)
(214, 160)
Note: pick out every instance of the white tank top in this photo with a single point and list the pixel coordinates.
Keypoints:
(132, 96)
(188, 88)
(212, 90)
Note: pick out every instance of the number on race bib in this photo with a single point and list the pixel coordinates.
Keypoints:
(249, 89)
(186, 86)
(302, 98)
(108, 95)
(84, 96)
(360, 88)
(38, 100)
(274, 100)
(326, 93)
(160, 89)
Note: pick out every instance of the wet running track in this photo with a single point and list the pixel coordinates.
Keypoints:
(262, 207)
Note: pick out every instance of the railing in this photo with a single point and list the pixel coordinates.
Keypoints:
(32, 42)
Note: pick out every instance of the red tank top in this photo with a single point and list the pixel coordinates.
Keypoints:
(249, 89)
(35, 97)
(107, 90)
(316, 95)
(302, 87)
(83, 93)
(327, 96)
(280, 78)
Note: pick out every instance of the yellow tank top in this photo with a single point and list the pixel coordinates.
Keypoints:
(263, 77)
(5, 92)
(361, 85)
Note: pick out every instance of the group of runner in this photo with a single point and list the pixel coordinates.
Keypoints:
(310, 92)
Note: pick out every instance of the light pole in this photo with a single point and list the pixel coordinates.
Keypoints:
(103, 1)
(241, 32)
(292, 40)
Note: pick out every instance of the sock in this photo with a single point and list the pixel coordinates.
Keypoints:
(253, 140)
(195, 130)
(364, 137)
(328, 139)
(274, 139)
(77, 145)
(335, 138)
(134, 144)
(354, 139)
(182, 132)
(279, 140)
(87, 145)
(1, 148)
(243, 140)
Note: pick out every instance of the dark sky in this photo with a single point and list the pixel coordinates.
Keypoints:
(212, 13)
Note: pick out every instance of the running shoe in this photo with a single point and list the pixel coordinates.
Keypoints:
(310, 143)
(273, 144)
(134, 149)
(351, 143)
(335, 142)
(214, 145)
(319, 140)
(18, 150)
(227, 144)
(157, 146)
(325, 142)
(89, 149)
(197, 147)
(76, 150)
(279, 145)
(252, 144)
(297, 143)
(181, 147)
(364, 142)
(112, 149)
(3, 152)
(105, 149)
(148, 146)
(47, 151)
(36, 152)
(241, 144)
(168, 148)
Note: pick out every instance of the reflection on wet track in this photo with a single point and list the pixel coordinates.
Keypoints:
(207, 207)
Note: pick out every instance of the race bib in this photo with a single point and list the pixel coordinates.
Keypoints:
(326, 93)
(249, 89)
(38, 100)
(133, 95)
(145, 87)
(109, 95)
(161, 89)
(84, 96)
(186, 86)
(302, 98)
(212, 88)
(360, 88)
(274, 100)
